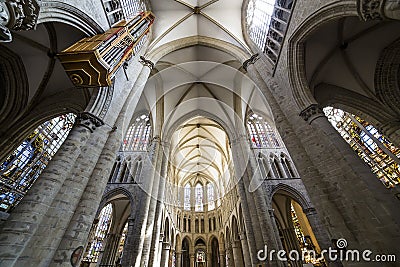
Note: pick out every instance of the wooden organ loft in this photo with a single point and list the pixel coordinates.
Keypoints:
(93, 61)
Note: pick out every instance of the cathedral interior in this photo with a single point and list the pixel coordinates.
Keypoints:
(199, 133)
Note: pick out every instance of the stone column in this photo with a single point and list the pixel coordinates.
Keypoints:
(320, 234)
(192, 259)
(257, 208)
(222, 258)
(166, 248)
(109, 250)
(345, 181)
(229, 255)
(160, 169)
(78, 229)
(292, 244)
(178, 257)
(28, 215)
(237, 253)
(245, 249)
(42, 246)
(128, 240)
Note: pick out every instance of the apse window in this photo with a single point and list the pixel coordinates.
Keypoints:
(24, 165)
(369, 144)
(267, 22)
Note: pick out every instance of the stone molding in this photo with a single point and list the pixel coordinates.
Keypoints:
(311, 113)
(89, 121)
(378, 9)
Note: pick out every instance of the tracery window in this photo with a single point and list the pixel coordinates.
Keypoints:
(122, 240)
(262, 135)
(138, 135)
(116, 10)
(199, 198)
(370, 145)
(186, 201)
(98, 234)
(210, 196)
(21, 169)
(267, 22)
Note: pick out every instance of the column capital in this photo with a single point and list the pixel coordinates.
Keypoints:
(89, 121)
(250, 61)
(18, 15)
(378, 9)
(311, 113)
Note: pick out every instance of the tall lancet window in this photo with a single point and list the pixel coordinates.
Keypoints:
(370, 145)
(210, 196)
(267, 21)
(262, 135)
(121, 243)
(98, 234)
(138, 136)
(186, 200)
(24, 165)
(199, 198)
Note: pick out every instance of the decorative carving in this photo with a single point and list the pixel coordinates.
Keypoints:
(147, 63)
(392, 9)
(311, 113)
(89, 121)
(249, 61)
(370, 9)
(18, 15)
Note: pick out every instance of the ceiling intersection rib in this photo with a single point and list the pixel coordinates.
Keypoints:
(176, 24)
(185, 4)
(225, 30)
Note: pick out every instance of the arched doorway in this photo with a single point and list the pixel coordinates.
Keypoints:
(215, 259)
(295, 230)
(185, 252)
(237, 249)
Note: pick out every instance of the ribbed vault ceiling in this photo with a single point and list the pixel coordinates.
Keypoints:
(183, 18)
(200, 147)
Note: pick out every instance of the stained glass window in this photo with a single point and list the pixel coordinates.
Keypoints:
(210, 193)
(21, 169)
(138, 136)
(267, 22)
(262, 135)
(122, 240)
(186, 200)
(199, 198)
(370, 145)
(98, 234)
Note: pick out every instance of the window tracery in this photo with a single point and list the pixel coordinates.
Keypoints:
(267, 22)
(98, 234)
(138, 135)
(261, 133)
(199, 198)
(21, 169)
(210, 196)
(186, 200)
(370, 145)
